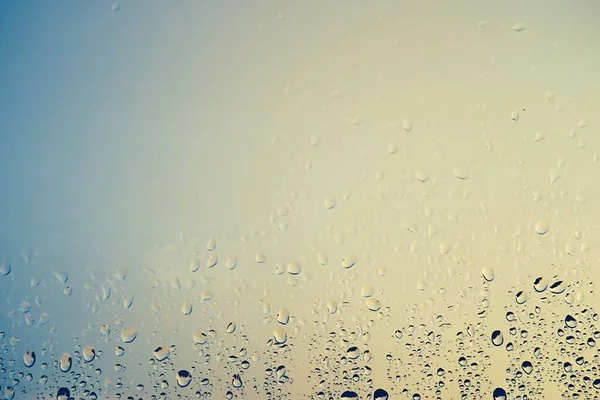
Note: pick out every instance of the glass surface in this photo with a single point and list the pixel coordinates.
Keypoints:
(307, 199)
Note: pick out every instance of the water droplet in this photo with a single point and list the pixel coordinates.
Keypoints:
(367, 290)
(211, 245)
(461, 173)
(521, 297)
(236, 382)
(499, 394)
(161, 353)
(63, 393)
(518, 27)
(330, 202)
(187, 307)
(322, 259)
(127, 301)
(129, 334)
(183, 378)
(488, 273)
(212, 260)
(200, 337)
(88, 353)
(373, 304)
(65, 362)
(540, 284)
(231, 327)
(422, 176)
(231, 263)
(294, 268)
(283, 316)
(29, 358)
(5, 269)
(332, 307)
(542, 227)
(558, 287)
(570, 322)
(497, 338)
(280, 335)
(348, 261)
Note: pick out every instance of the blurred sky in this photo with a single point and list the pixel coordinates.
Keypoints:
(127, 129)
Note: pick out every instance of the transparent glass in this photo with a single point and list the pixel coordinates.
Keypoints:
(299, 199)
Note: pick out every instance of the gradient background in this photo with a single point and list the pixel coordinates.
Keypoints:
(131, 135)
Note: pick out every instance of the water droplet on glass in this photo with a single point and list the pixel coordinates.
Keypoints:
(280, 335)
(5, 269)
(488, 273)
(521, 297)
(65, 362)
(88, 353)
(497, 338)
(29, 358)
(373, 304)
(330, 202)
(129, 334)
(283, 316)
(183, 378)
(518, 27)
(348, 261)
(294, 268)
(161, 353)
(542, 227)
(322, 259)
(540, 284)
(499, 394)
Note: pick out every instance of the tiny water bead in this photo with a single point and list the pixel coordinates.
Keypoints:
(488, 274)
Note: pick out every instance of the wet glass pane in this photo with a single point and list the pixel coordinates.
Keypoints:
(309, 199)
